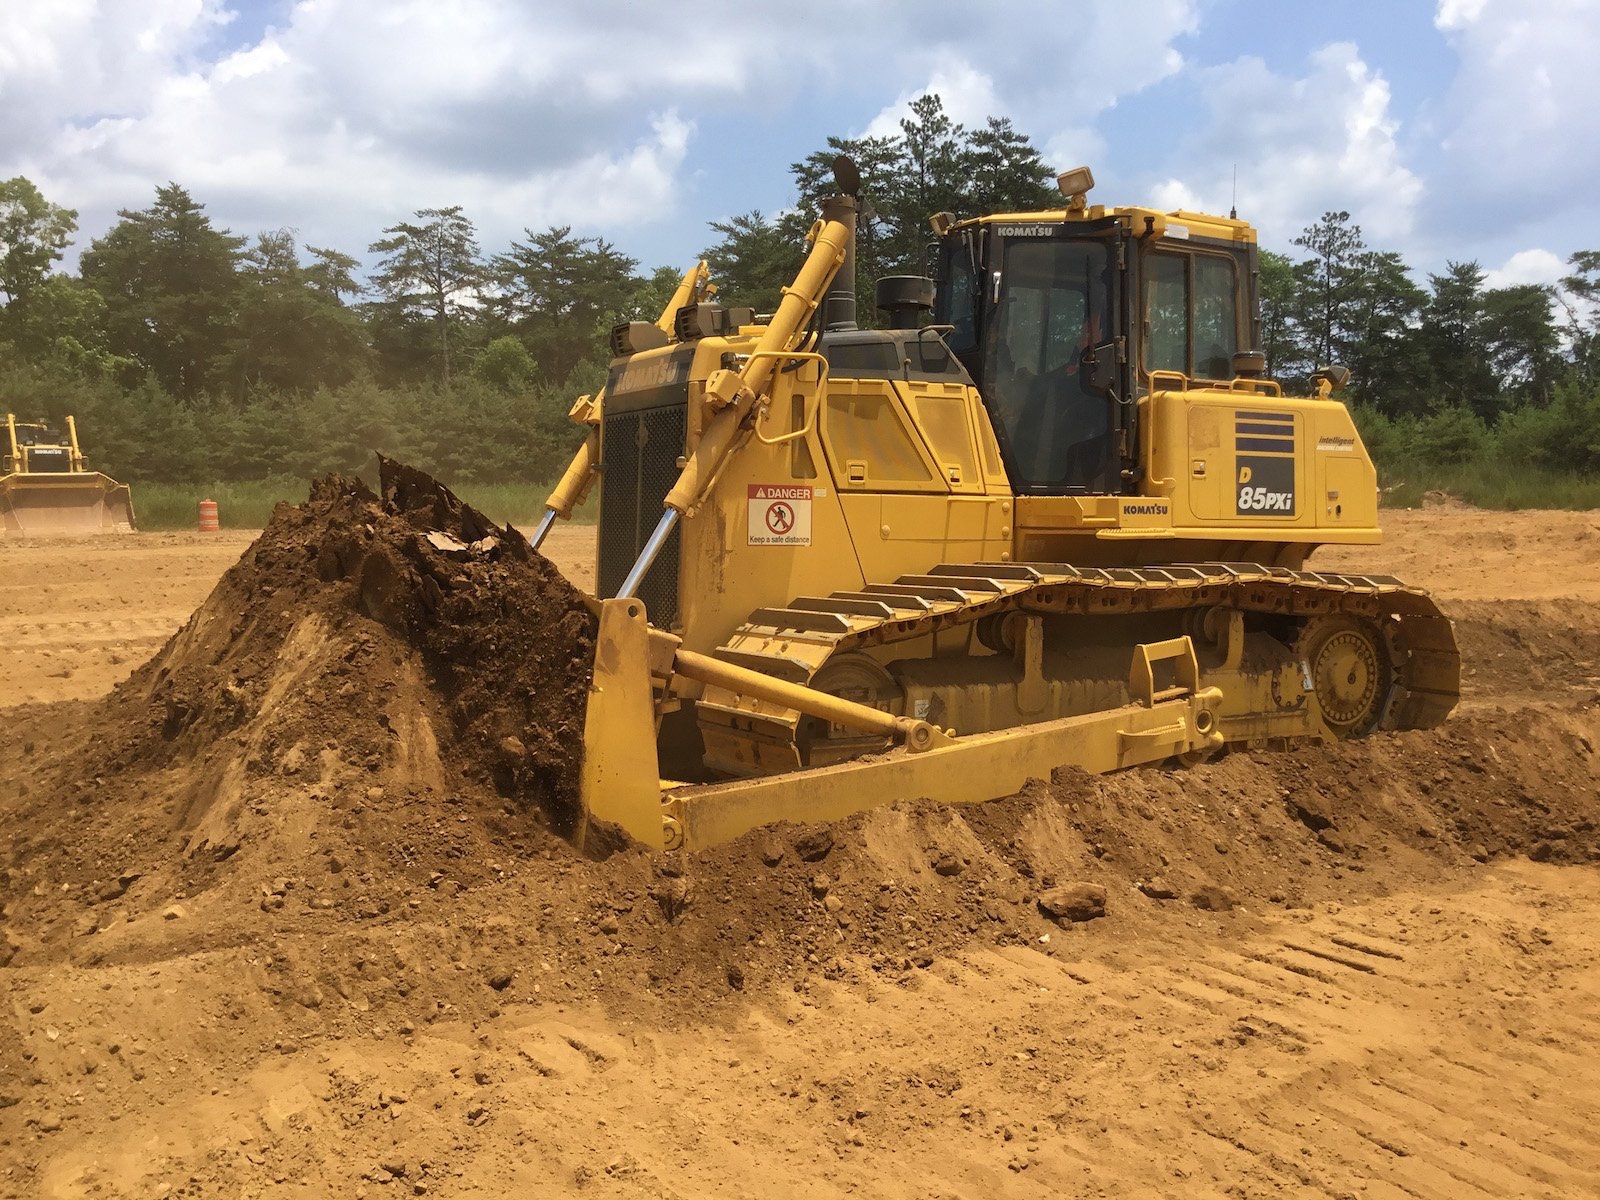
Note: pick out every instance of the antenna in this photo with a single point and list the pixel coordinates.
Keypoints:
(1233, 211)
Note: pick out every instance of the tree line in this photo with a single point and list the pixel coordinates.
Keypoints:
(190, 353)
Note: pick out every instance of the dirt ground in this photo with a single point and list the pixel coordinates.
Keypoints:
(283, 941)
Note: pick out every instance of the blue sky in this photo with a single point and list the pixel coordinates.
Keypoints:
(1450, 129)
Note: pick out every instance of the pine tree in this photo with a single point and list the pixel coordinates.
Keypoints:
(431, 269)
(170, 283)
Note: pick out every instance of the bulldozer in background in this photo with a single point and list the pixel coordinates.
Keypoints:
(47, 487)
(1054, 514)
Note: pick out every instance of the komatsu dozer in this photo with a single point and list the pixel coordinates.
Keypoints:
(48, 488)
(1052, 514)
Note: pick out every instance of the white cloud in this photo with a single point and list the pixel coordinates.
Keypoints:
(1527, 266)
(74, 55)
(1523, 113)
(345, 116)
(1173, 194)
(1326, 140)
(1457, 14)
(968, 96)
(257, 60)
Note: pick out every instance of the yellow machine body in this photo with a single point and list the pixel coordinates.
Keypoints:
(48, 489)
(919, 568)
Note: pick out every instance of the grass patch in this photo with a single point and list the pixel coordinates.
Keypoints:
(522, 504)
(1489, 484)
(1485, 484)
(249, 505)
(245, 505)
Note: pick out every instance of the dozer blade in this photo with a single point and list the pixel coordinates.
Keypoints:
(64, 505)
(621, 787)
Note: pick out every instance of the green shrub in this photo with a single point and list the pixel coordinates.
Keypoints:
(1451, 435)
(1563, 436)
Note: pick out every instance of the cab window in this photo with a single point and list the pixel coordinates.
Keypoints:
(1054, 306)
(1191, 314)
(954, 297)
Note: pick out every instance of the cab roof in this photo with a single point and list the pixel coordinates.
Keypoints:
(1177, 224)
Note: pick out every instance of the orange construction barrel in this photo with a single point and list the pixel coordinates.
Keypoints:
(208, 517)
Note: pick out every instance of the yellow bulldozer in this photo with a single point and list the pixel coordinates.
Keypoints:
(1052, 514)
(47, 487)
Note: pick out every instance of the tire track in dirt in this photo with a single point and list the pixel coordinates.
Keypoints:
(1370, 1120)
(24, 634)
(1291, 1082)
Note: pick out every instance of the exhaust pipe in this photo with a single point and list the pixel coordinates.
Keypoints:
(839, 302)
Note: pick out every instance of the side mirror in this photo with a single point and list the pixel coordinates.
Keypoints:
(1336, 376)
(932, 349)
(1097, 368)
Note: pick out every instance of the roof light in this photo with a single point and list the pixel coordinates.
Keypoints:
(1075, 185)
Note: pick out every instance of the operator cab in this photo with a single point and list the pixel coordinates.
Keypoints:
(1063, 317)
(38, 435)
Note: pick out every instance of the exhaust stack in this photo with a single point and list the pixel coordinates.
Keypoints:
(839, 303)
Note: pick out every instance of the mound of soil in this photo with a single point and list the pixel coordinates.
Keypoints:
(377, 718)
(364, 647)
(299, 647)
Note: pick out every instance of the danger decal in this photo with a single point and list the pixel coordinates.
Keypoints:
(780, 514)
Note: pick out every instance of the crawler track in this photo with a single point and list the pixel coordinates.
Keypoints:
(796, 641)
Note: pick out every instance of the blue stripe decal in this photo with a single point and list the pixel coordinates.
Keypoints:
(1270, 445)
(1281, 418)
(1263, 427)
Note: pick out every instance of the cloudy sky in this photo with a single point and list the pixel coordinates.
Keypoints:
(1450, 129)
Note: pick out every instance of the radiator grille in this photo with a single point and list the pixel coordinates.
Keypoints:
(48, 459)
(639, 451)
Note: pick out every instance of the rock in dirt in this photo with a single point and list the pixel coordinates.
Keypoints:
(673, 897)
(1310, 810)
(499, 977)
(814, 844)
(1073, 902)
(948, 865)
(1158, 888)
(1213, 899)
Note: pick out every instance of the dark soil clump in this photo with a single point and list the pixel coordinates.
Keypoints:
(507, 644)
(509, 641)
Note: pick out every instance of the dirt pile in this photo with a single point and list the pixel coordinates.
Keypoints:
(363, 649)
(375, 722)
(303, 644)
